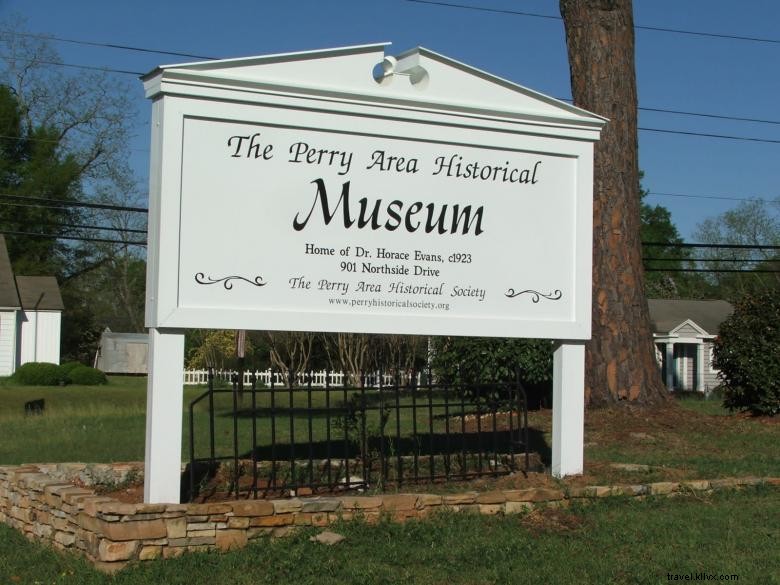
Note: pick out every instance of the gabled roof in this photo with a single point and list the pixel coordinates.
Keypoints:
(32, 293)
(669, 314)
(418, 76)
(688, 324)
(39, 293)
(9, 296)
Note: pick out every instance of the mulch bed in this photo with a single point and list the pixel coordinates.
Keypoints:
(622, 424)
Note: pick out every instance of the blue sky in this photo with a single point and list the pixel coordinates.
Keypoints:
(690, 73)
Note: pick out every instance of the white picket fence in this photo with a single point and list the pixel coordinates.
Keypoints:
(318, 379)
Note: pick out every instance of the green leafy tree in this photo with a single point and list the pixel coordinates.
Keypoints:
(64, 138)
(746, 354)
(751, 223)
(470, 360)
(32, 161)
(217, 349)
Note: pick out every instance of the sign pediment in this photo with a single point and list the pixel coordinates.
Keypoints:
(417, 77)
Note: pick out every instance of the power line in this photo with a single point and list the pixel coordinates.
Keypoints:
(647, 269)
(90, 67)
(54, 141)
(42, 201)
(57, 203)
(723, 246)
(706, 115)
(696, 114)
(696, 260)
(76, 238)
(658, 130)
(636, 26)
(711, 270)
(107, 45)
(92, 227)
(719, 197)
(707, 135)
(140, 73)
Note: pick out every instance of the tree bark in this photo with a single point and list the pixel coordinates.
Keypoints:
(620, 358)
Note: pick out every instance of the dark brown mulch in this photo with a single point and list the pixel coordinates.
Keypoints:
(622, 424)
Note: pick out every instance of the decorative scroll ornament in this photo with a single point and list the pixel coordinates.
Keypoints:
(201, 278)
(555, 295)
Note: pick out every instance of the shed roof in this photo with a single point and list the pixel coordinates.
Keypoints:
(667, 314)
(9, 296)
(39, 293)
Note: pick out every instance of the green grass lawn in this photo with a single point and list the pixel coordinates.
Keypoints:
(698, 439)
(614, 541)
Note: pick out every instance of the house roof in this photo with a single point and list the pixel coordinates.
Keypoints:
(33, 293)
(9, 296)
(39, 293)
(668, 314)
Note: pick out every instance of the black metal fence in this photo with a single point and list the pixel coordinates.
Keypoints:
(371, 433)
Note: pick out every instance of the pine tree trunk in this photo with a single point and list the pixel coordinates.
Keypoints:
(620, 358)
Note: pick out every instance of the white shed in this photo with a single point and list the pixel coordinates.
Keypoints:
(30, 317)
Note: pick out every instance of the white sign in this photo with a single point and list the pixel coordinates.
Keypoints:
(291, 219)
(295, 192)
(342, 221)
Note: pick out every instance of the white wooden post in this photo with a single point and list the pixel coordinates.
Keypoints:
(670, 365)
(568, 408)
(701, 363)
(164, 399)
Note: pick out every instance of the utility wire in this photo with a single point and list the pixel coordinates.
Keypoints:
(640, 128)
(92, 227)
(723, 246)
(710, 270)
(707, 135)
(636, 26)
(89, 67)
(76, 238)
(107, 45)
(54, 203)
(705, 115)
(55, 141)
(140, 73)
(719, 197)
(42, 201)
(645, 259)
(143, 244)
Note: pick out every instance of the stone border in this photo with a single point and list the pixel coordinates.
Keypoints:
(42, 502)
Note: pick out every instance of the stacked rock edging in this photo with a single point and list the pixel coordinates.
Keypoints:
(42, 502)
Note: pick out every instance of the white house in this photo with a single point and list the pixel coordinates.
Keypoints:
(684, 331)
(30, 317)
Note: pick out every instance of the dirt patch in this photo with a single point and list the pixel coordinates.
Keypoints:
(630, 429)
(764, 420)
(551, 520)
(133, 494)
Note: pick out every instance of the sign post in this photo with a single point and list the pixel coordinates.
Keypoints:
(435, 199)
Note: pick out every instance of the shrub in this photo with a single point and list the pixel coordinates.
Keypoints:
(473, 360)
(746, 353)
(86, 376)
(68, 367)
(39, 374)
(482, 360)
